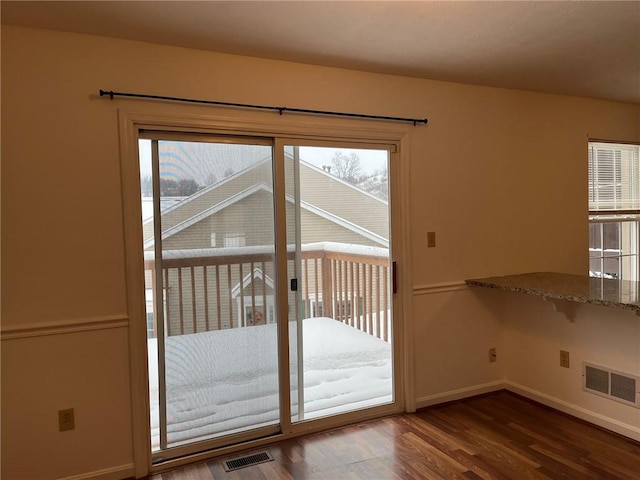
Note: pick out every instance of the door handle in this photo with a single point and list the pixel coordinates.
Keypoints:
(394, 277)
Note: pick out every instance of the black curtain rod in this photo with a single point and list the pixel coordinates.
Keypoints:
(280, 110)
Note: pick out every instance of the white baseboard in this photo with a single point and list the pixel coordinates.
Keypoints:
(459, 394)
(616, 426)
(115, 473)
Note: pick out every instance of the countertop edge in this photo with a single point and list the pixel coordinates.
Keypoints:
(549, 294)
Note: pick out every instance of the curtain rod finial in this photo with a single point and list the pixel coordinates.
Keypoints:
(104, 92)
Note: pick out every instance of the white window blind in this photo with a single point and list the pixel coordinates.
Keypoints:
(614, 176)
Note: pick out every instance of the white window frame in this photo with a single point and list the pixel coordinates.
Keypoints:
(244, 320)
(620, 172)
(234, 240)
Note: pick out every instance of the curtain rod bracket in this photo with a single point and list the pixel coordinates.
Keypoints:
(280, 110)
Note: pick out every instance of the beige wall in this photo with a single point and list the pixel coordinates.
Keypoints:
(597, 335)
(500, 175)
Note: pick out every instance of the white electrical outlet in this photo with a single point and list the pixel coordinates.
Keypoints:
(564, 358)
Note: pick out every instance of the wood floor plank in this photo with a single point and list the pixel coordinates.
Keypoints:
(439, 459)
(500, 436)
(434, 435)
(550, 441)
(561, 464)
(479, 466)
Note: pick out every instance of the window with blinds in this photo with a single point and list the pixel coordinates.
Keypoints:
(614, 176)
(614, 210)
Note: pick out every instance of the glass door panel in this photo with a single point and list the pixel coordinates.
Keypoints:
(338, 232)
(209, 244)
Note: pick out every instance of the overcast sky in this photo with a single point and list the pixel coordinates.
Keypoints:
(370, 160)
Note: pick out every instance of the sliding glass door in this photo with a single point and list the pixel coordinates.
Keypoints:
(338, 229)
(250, 333)
(209, 244)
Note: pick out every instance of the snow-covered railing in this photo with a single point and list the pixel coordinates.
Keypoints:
(221, 288)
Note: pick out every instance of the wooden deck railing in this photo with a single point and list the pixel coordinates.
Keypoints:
(209, 289)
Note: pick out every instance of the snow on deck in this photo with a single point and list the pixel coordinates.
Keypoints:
(227, 380)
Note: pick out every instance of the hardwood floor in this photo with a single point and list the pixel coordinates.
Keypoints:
(496, 436)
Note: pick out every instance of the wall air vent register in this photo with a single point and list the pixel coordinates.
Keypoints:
(619, 386)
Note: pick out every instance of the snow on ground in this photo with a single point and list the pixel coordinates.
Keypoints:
(227, 380)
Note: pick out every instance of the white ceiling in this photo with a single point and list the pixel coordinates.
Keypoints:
(584, 48)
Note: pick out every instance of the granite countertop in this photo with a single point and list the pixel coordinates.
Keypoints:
(573, 288)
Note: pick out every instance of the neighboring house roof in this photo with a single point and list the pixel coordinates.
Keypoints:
(322, 194)
(248, 278)
(267, 188)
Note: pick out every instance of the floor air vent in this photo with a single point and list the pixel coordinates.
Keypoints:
(246, 461)
(622, 387)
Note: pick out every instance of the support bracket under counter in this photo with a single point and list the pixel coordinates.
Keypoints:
(564, 307)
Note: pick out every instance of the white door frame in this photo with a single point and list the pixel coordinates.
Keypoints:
(181, 119)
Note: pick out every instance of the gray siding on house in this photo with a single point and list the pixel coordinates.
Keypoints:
(252, 218)
(318, 229)
(343, 200)
(213, 196)
(243, 206)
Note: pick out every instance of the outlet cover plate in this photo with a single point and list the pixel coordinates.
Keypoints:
(564, 359)
(66, 420)
(493, 355)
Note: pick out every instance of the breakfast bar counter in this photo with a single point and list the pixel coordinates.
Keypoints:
(572, 288)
